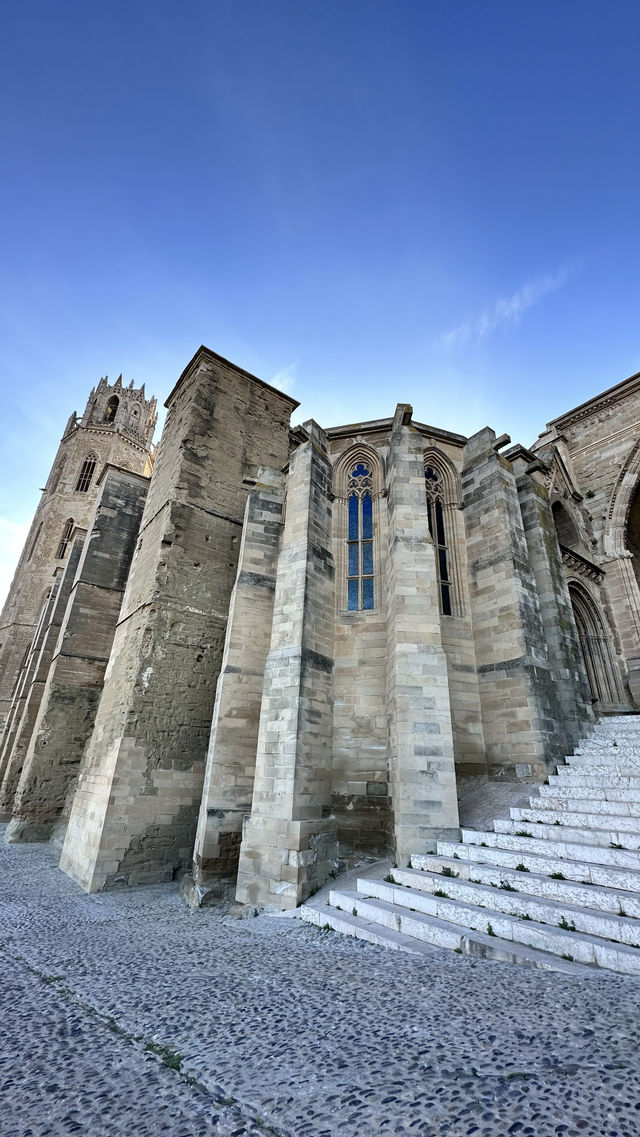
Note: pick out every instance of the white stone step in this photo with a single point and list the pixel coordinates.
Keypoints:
(606, 750)
(562, 787)
(418, 890)
(568, 777)
(609, 838)
(626, 768)
(585, 805)
(599, 817)
(430, 930)
(570, 850)
(554, 887)
(349, 925)
(454, 914)
(540, 861)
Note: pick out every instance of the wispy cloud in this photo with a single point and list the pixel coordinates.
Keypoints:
(505, 311)
(285, 378)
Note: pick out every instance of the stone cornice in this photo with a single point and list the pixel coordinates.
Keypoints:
(580, 565)
(598, 402)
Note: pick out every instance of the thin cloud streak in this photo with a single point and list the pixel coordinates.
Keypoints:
(506, 311)
(285, 378)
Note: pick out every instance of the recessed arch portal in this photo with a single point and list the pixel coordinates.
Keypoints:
(596, 647)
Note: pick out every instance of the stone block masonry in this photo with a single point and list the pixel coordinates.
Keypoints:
(228, 786)
(42, 656)
(15, 719)
(289, 840)
(134, 814)
(568, 689)
(422, 770)
(511, 653)
(74, 684)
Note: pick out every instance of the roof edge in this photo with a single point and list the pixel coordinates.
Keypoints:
(205, 352)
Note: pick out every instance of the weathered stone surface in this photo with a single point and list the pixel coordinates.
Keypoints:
(116, 427)
(44, 648)
(289, 841)
(134, 814)
(74, 683)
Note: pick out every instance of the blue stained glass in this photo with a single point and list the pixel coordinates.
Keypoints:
(367, 593)
(367, 517)
(353, 559)
(353, 518)
(360, 471)
(367, 559)
(352, 602)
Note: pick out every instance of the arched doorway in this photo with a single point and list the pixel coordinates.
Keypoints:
(595, 644)
(633, 532)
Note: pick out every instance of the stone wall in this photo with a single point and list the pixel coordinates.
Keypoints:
(289, 841)
(229, 777)
(422, 770)
(74, 683)
(135, 810)
(515, 681)
(61, 501)
(36, 678)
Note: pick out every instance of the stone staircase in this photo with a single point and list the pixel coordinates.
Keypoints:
(557, 886)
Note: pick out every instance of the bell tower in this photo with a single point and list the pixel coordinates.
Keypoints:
(116, 427)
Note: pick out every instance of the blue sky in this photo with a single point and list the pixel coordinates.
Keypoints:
(365, 201)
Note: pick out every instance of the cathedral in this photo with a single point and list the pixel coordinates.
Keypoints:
(247, 657)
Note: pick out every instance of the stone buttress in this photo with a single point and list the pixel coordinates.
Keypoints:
(289, 841)
(229, 777)
(44, 644)
(74, 684)
(422, 771)
(134, 813)
(568, 686)
(512, 657)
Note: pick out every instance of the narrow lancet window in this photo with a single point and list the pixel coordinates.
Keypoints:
(86, 474)
(66, 537)
(435, 498)
(360, 575)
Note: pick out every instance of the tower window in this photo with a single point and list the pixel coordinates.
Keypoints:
(435, 500)
(112, 406)
(86, 474)
(66, 537)
(360, 541)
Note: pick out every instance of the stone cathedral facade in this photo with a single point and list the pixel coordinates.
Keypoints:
(273, 648)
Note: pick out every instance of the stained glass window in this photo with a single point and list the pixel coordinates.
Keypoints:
(360, 595)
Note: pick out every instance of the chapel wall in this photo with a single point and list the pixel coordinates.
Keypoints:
(360, 798)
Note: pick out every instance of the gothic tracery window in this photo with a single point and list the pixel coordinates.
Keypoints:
(360, 573)
(86, 473)
(435, 505)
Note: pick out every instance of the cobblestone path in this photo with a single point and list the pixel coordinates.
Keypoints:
(126, 1015)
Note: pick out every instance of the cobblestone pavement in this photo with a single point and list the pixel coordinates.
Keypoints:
(127, 1015)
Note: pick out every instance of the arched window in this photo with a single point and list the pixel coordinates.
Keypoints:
(595, 644)
(360, 541)
(439, 536)
(86, 473)
(66, 537)
(357, 484)
(112, 406)
(443, 504)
